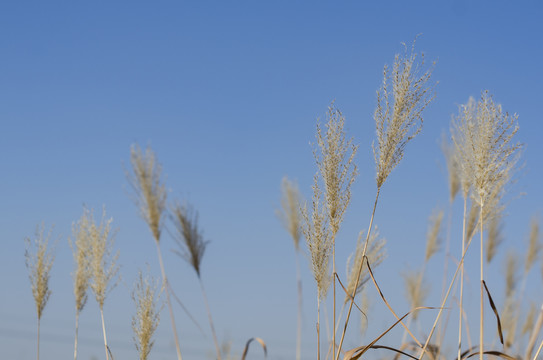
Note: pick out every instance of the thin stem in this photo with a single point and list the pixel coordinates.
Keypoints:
(38, 339)
(462, 282)
(76, 333)
(481, 330)
(210, 319)
(299, 329)
(358, 275)
(318, 328)
(334, 285)
(104, 331)
(444, 301)
(533, 336)
(167, 288)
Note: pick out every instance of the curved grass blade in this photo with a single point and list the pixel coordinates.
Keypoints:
(493, 352)
(495, 312)
(388, 305)
(260, 341)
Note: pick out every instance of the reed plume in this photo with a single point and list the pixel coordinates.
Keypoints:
(291, 218)
(317, 235)
(487, 157)
(150, 198)
(534, 246)
(416, 289)
(398, 115)
(494, 238)
(452, 168)
(334, 156)
(398, 119)
(39, 261)
(103, 264)
(191, 241)
(82, 276)
(147, 317)
(433, 239)
(376, 253)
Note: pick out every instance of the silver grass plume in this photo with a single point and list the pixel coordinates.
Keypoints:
(147, 317)
(189, 237)
(289, 214)
(398, 115)
(376, 253)
(150, 192)
(433, 239)
(334, 157)
(534, 247)
(317, 235)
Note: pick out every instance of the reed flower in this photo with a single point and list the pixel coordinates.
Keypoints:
(448, 150)
(404, 95)
(376, 253)
(317, 234)
(189, 237)
(494, 238)
(150, 192)
(334, 157)
(103, 264)
(416, 289)
(82, 276)
(433, 239)
(147, 317)
(290, 210)
(39, 261)
(534, 246)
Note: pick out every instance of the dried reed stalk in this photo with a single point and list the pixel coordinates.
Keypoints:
(191, 241)
(147, 317)
(150, 198)
(487, 157)
(103, 265)
(317, 235)
(334, 156)
(82, 276)
(39, 261)
(291, 218)
(398, 119)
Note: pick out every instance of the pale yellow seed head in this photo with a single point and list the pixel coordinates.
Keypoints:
(39, 261)
(398, 115)
(150, 192)
(147, 317)
(289, 214)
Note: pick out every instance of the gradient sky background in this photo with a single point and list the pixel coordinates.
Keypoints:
(228, 94)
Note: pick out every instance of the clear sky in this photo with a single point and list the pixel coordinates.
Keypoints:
(228, 95)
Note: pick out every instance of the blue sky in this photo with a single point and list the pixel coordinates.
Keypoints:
(228, 95)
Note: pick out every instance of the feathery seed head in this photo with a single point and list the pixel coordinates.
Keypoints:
(81, 249)
(334, 156)
(398, 115)
(452, 168)
(147, 317)
(376, 253)
(317, 235)
(104, 262)
(433, 240)
(189, 238)
(150, 192)
(290, 210)
(494, 237)
(529, 323)
(416, 289)
(511, 273)
(534, 247)
(483, 135)
(39, 261)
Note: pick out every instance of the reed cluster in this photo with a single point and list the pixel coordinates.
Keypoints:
(481, 156)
